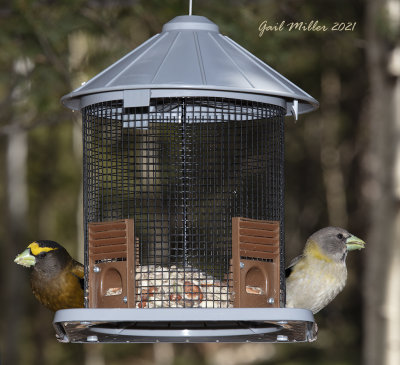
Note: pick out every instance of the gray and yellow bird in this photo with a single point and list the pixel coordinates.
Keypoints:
(316, 277)
(56, 278)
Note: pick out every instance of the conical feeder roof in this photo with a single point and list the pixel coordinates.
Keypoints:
(190, 57)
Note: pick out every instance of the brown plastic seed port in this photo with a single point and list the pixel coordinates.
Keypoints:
(112, 258)
(255, 263)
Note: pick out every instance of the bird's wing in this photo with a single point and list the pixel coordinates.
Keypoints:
(289, 269)
(78, 271)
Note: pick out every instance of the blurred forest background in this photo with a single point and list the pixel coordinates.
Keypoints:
(342, 161)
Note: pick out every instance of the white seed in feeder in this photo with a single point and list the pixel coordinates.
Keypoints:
(254, 290)
(158, 283)
(113, 291)
(158, 303)
(159, 286)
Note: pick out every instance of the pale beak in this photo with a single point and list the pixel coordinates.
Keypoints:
(354, 243)
(25, 259)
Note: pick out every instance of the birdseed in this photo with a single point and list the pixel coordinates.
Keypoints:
(174, 287)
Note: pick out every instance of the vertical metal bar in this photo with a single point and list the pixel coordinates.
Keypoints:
(184, 183)
(96, 130)
(128, 169)
(85, 201)
(208, 235)
(223, 212)
(133, 182)
(109, 158)
(121, 150)
(160, 181)
(200, 167)
(170, 179)
(145, 180)
(215, 221)
(231, 197)
(282, 210)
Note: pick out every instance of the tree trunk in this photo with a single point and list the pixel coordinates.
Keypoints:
(16, 211)
(330, 151)
(382, 189)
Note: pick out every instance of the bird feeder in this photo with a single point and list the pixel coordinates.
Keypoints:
(183, 156)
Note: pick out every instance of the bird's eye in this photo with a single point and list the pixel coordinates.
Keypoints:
(340, 236)
(42, 254)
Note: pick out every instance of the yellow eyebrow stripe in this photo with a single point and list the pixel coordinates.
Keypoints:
(36, 249)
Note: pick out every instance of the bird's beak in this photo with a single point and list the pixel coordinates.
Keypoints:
(25, 259)
(354, 243)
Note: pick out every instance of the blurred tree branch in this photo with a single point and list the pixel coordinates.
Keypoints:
(40, 34)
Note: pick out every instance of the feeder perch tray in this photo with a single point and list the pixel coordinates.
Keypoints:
(125, 325)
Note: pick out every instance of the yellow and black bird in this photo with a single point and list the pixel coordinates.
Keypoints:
(56, 278)
(316, 277)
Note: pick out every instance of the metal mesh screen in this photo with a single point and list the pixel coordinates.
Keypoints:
(182, 168)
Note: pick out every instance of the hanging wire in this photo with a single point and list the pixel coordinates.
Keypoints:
(190, 7)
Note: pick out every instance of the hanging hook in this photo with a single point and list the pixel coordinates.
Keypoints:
(190, 7)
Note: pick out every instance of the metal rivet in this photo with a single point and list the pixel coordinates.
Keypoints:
(241, 265)
(96, 269)
(282, 338)
(125, 300)
(92, 339)
(271, 300)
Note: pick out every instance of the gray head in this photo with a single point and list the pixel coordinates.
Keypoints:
(334, 243)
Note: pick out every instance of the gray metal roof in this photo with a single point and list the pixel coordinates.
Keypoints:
(190, 58)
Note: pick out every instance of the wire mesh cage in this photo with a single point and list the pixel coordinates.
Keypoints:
(181, 169)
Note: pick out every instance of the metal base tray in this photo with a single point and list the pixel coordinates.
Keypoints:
(122, 325)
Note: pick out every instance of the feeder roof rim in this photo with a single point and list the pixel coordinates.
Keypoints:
(306, 100)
